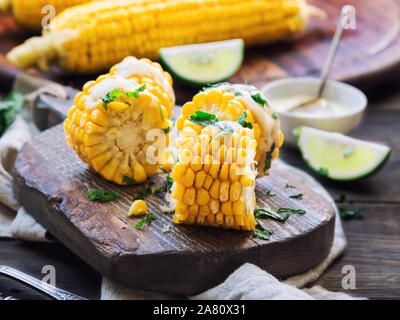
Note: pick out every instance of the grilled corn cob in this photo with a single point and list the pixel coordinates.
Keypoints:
(214, 179)
(233, 102)
(29, 14)
(109, 125)
(93, 36)
(226, 134)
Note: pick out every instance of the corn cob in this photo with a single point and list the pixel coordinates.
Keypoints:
(224, 133)
(29, 14)
(109, 124)
(93, 36)
(229, 102)
(215, 177)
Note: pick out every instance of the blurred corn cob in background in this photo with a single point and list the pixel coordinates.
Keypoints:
(93, 36)
(28, 13)
(219, 143)
(109, 123)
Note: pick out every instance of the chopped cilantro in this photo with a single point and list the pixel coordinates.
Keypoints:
(160, 192)
(163, 169)
(127, 180)
(101, 195)
(259, 99)
(135, 93)
(242, 121)
(298, 196)
(149, 218)
(270, 193)
(110, 96)
(166, 130)
(268, 158)
(9, 108)
(274, 116)
(203, 118)
(273, 214)
(288, 185)
(145, 192)
(348, 214)
(262, 232)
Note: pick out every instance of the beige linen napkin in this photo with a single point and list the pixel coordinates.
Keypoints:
(247, 282)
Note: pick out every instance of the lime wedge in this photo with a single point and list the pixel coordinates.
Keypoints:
(204, 63)
(340, 157)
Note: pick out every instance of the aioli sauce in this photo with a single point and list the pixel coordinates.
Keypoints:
(322, 108)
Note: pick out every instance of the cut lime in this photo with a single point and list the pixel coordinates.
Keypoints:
(204, 63)
(340, 157)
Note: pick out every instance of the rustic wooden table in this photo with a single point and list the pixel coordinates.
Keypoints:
(373, 242)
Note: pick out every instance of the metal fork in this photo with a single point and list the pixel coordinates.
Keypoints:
(40, 286)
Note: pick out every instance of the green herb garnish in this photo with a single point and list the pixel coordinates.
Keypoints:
(135, 93)
(110, 96)
(145, 192)
(262, 232)
(298, 196)
(270, 213)
(259, 99)
(9, 108)
(163, 169)
(127, 180)
(242, 121)
(288, 185)
(160, 192)
(274, 116)
(270, 193)
(347, 214)
(166, 130)
(101, 195)
(203, 118)
(268, 158)
(149, 218)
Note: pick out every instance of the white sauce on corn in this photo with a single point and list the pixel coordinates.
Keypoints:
(130, 66)
(100, 89)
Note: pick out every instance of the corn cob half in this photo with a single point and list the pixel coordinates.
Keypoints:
(93, 36)
(228, 135)
(109, 126)
(235, 102)
(29, 14)
(215, 177)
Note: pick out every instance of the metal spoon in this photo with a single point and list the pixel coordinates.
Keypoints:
(326, 68)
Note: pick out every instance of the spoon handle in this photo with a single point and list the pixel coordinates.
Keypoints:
(44, 288)
(331, 56)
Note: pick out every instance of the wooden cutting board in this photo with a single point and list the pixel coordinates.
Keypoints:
(367, 56)
(51, 183)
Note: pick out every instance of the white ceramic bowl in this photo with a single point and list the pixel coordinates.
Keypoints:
(342, 93)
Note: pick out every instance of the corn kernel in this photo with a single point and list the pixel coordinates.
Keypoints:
(138, 207)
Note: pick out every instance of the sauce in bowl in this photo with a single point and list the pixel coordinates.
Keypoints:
(322, 108)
